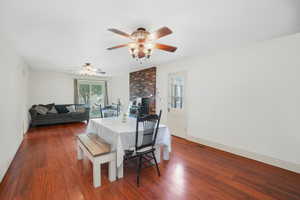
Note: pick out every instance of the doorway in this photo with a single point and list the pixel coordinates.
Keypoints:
(92, 93)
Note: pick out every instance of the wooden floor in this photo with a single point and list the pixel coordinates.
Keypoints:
(45, 168)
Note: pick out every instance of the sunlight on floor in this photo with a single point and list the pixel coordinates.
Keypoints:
(179, 179)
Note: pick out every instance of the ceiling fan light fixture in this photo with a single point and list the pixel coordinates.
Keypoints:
(141, 52)
(142, 46)
(88, 70)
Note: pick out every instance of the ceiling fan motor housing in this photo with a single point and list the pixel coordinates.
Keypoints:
(140, 35)
(141, 29)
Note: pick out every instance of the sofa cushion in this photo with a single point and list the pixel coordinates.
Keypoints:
(32, 112)
(61, 109)
(80, 109)
(77, 115)
(54, 116)
(71, 108)
(52, 110)
(48, 116)
(41, 110)
(48, 106)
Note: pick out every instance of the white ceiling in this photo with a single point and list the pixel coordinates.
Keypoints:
(63, 34)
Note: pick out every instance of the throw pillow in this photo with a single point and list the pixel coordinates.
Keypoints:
(71, 108)
(48, 106)
(41, 110)
(80, 109)
(52, 110)
(61, 109)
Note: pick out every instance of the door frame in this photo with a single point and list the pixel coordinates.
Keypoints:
(184, 103)
(90, 83)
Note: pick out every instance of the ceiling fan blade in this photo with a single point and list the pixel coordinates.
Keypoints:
(119, 46)
(119, 32)
(161, 33)
(165, 47)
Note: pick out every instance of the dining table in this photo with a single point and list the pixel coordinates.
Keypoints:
(120, 134)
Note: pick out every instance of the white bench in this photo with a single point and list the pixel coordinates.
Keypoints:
(98, 152)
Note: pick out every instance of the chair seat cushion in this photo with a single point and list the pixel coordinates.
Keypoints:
(133, 153)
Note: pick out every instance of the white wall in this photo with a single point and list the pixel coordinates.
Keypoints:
(120, 89)
(13, 104)
(50, 87)
(54, 87)
(246, 101)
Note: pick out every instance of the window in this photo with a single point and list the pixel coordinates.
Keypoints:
(176, 92)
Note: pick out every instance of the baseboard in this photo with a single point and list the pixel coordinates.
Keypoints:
(4, 171)
(262, 158)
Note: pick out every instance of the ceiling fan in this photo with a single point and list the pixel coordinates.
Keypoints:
(143, 42)
(89, 70)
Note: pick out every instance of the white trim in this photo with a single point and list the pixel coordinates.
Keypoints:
(3, 171)
(262, 158)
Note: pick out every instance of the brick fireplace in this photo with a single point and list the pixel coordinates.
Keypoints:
(143, 85)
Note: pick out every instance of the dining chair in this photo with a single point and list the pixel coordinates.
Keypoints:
(101, 113)
(145, 138)
(110, 111)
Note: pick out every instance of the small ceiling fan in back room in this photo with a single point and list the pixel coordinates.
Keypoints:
(143, 42)
(88, 70)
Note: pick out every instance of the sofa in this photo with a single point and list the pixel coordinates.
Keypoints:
(58, 114)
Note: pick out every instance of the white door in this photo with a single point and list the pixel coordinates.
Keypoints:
(176, 118)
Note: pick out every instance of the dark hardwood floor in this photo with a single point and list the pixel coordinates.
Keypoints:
(46, 168)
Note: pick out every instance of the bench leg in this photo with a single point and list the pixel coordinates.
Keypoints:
(120, 171)
(96, 174)
(166, 153)
(79, 152)
(112, 167)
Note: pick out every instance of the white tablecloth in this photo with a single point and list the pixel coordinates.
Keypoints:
(122, 135)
